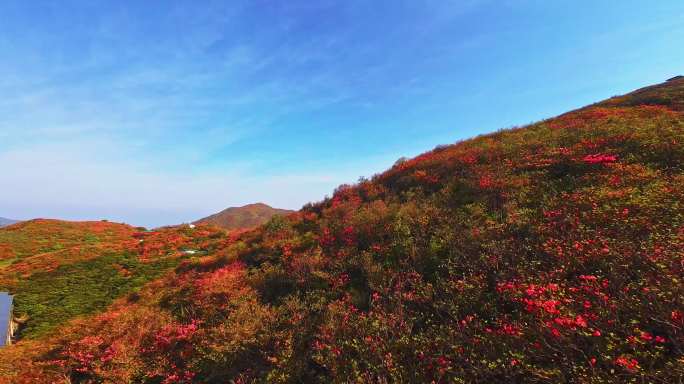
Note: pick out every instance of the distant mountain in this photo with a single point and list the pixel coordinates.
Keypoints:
(5, 222)
(248, 216)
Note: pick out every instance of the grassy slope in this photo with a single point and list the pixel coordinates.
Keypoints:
(549, 253)
(59, 270)
(41, 236)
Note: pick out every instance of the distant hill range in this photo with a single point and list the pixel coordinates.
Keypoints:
(248, 216)
(5, 222)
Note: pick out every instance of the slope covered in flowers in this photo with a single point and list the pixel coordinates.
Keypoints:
(544, 254)
(59, 270)
(28, 239)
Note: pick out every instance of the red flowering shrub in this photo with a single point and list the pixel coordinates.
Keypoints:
(599, 159)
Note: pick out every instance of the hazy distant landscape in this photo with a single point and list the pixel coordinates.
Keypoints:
(5, 222)
(341, 192)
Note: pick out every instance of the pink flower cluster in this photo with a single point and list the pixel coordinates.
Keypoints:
(599, 159)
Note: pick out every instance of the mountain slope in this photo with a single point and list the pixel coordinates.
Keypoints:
(545, 254)
(58, 270)
(245, 217)
(5, 222)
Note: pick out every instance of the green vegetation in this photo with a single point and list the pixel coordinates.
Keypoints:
(50, 299)
(63, 270)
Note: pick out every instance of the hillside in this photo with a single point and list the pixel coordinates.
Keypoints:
(248, 216)
(59, 270)
(544, 254)
(5, 222)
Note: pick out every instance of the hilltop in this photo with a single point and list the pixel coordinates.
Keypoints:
(543, 254)
(248, 216)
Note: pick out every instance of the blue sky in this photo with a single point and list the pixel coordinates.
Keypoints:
(160, 112)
